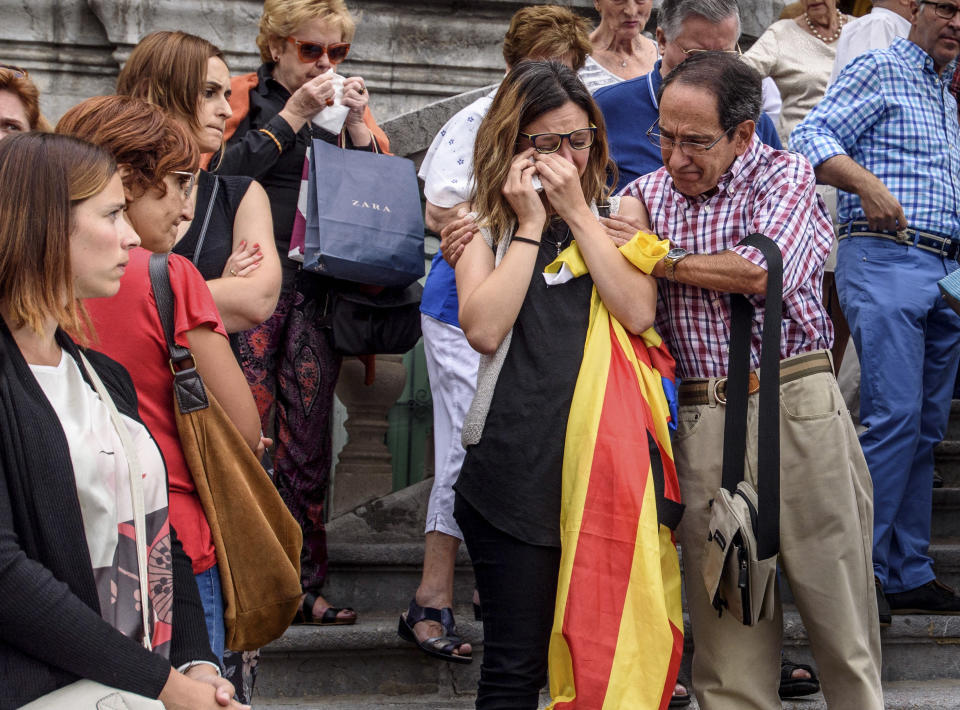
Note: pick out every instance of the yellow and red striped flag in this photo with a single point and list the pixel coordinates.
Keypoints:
(617, 635)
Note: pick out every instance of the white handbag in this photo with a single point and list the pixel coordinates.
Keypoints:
(88, 694)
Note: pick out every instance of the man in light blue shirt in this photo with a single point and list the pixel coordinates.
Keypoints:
(886, 135)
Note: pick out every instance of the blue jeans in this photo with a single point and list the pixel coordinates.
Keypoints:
(208, 583)
(909, 345)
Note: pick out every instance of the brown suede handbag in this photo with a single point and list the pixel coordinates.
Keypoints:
(257, 540)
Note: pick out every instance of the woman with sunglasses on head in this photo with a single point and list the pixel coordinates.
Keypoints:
(289, 359)
(230, 238)
(19, 103)
(69, 571)
(542, 126)
(157, 160)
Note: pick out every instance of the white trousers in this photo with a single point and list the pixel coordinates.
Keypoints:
(452, 369)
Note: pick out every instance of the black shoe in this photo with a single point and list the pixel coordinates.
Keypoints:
(934, 597)
(882, 606)
(937, 479)
(791, 687)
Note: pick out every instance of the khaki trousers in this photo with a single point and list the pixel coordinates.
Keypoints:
(826, 541)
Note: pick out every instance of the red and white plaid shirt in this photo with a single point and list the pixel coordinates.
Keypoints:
(767, 191)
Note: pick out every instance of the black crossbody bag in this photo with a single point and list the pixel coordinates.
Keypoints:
(743, 542)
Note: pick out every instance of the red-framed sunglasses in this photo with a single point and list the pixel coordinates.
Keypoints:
(312, 51)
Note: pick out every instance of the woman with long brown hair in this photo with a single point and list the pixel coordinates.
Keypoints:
(70, 580)
(230, 238)
(542, 125)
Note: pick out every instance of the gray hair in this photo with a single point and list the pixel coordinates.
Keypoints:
(674, 12)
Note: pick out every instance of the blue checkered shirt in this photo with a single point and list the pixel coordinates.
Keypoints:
(891, 113)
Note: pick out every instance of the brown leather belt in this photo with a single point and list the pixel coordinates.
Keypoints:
(696, 391)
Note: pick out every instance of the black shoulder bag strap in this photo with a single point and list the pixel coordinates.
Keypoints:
(188, 388)
(206, 220)
(735, 421)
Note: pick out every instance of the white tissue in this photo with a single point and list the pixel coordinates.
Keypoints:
(333, 117)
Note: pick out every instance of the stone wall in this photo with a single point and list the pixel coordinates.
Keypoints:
(411, 53)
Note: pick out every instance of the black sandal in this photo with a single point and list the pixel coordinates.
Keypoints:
(330, 617)
(680, 701)
(442, 647)
(791, 687)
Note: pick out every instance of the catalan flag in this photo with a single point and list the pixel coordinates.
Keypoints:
(617, 634)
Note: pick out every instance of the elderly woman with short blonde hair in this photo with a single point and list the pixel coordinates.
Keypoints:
(290, 359)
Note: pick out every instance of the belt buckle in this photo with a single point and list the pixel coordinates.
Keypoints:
(721, 399)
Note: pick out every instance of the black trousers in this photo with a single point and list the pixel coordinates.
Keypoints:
(517, 584)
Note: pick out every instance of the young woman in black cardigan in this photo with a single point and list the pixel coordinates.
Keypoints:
(69, 577)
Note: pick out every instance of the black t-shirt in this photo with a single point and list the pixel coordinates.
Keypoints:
(212, 255)
(513, 475)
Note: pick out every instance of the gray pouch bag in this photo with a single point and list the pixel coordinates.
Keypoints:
(736, 579)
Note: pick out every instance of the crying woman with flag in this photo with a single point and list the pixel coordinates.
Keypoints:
(568, 493)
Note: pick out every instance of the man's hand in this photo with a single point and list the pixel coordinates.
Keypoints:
(456, 235)
(883, 211)
(622, 229)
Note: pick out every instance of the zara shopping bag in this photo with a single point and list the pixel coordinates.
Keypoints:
(363, 220)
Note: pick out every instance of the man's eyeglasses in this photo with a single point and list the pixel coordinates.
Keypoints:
(18, 72)
(312, 51)
(185, 182)
(946, 10)
(686, 147)
(546, 143)
(691, 52)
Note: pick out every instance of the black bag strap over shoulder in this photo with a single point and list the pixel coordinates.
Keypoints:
(188, 387)
(735, 421)
(206, 220)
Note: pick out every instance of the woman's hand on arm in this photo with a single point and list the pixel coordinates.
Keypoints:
(198, 691)
(218, 367)
(248, 298)
(355, 97)
(490, 298)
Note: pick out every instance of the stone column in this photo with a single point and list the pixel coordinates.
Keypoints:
(364, 471)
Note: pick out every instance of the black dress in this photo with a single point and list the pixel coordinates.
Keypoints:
(512, 477)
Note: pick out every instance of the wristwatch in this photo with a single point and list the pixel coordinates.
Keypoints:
(670, 261)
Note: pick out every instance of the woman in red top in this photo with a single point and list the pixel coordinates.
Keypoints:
(157, 160)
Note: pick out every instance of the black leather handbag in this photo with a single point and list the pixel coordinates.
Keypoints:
(369, 320)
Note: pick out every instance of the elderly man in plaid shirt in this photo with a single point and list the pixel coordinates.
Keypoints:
(719, 184)
(886, 134)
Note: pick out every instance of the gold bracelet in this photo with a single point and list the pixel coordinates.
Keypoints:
(273, 138)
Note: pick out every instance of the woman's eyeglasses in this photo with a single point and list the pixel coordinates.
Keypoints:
(545, 143)
(312, 51)
(185, 182)
(18, 72)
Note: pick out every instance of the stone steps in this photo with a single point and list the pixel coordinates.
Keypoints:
(370, 658)
(928, 695)
(376, 552)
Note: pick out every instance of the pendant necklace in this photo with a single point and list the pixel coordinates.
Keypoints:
(558, 243)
